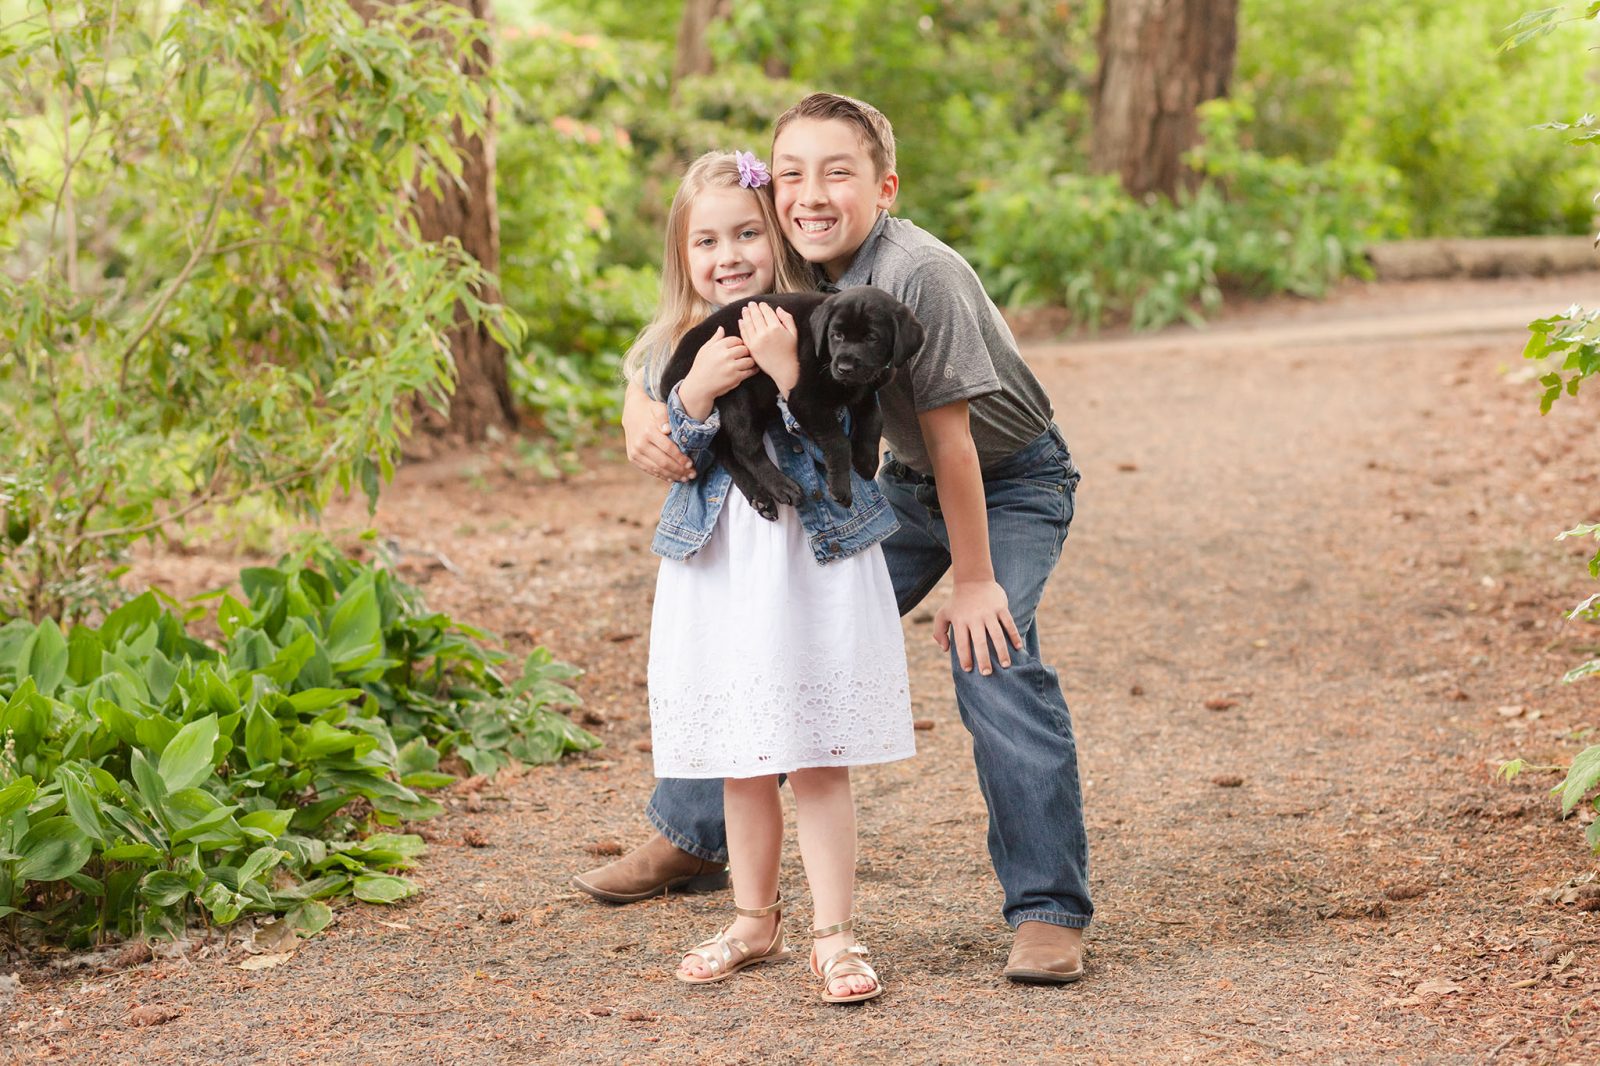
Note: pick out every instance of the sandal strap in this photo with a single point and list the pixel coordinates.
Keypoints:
(843, 927)
(760, 912)
(846, 962)
(718, 952)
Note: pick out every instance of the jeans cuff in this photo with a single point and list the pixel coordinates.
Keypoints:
(1070, 921)
(678, 840)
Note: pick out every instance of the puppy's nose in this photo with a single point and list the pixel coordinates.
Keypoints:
(844, 366)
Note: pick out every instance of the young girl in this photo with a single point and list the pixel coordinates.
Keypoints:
(775, 647)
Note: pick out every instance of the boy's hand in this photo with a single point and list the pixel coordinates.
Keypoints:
(772, 337)
(976, 613)
(650, 448)
(720, 364)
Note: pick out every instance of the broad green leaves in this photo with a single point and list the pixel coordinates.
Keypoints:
(163, 775)
(187, 759)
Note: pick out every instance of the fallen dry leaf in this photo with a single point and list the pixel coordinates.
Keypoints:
(151, 1015)
(273, 937)
(1510, 710)
(603, 848)
(1220, 703)
(922, 723)
(1227, 780)
(474, 838)
(1438, 986)
(643, 745)
(266, 962)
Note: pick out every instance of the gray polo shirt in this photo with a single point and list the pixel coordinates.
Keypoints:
(968, 354)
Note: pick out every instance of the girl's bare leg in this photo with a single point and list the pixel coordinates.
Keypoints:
(827, 816)
(755, 837)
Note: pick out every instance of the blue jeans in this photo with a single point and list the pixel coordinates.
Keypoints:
(1021, 731)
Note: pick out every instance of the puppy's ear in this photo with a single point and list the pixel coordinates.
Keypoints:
(820, 319)
(908, 336)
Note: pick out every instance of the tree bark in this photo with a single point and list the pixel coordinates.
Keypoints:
(1159, 60)
(694, 51)
(482, 400)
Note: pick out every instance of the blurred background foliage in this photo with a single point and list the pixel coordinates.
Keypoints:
(1347, 124)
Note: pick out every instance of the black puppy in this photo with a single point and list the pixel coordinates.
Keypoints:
(849, 345)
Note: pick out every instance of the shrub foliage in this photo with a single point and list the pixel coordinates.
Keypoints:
(146, 774)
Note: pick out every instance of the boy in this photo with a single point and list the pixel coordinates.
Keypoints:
(981, 482)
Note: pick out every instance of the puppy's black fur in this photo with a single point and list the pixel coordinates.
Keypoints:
(849, 345)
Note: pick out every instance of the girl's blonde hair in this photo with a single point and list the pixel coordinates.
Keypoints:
(680, 307)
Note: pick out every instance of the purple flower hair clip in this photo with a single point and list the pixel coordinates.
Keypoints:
(752, 171)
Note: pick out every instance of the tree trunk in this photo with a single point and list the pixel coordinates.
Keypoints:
(482, 400)
(694, 51)
(1159, 60)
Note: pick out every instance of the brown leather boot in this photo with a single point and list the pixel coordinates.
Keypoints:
(652, 869)
(1046, 954)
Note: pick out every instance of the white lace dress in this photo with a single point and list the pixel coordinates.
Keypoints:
(764, 662)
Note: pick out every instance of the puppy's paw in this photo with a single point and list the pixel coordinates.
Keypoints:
(765, 506)
(789, 493)
(843, 495)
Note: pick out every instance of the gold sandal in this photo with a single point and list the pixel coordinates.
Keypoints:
(846, 962)
(726, 955)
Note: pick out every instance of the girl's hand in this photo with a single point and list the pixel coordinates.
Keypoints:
(650, 448)
(720, 364)
(773, 339)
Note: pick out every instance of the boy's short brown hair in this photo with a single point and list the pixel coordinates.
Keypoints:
(874, 129)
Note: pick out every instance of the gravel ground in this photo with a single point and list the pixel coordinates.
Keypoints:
(1310, 601)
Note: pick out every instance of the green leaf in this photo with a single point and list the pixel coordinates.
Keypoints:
(316, 700)
(427, 779)
(133, 853)
(310, 918)
(17, 795)
(1584, 775)
(147, 780)
(383, 888)
(131, 619)
(355, 635)
(164, 888)
(83, 655)
(187, 760)
(260, 861)
(275, 822)
(263, 737)
(52, 850)
(121, 723)
(82, 807)
(44, 657)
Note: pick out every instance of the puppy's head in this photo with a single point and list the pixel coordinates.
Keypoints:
(864, 334)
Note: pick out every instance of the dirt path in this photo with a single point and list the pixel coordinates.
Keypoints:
(1338, 517)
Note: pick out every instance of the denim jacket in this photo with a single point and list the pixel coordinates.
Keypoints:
(691, 509)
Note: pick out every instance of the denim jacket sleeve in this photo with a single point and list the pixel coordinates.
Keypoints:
(692, 438)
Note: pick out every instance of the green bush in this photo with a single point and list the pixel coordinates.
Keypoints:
(565, 172)
(144, 771)
(1266, 225)
(214, 286)
(1423, 88)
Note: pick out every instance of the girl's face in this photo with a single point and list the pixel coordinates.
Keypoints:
(729, 252)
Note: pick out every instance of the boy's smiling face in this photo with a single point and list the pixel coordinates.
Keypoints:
(828, 190)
